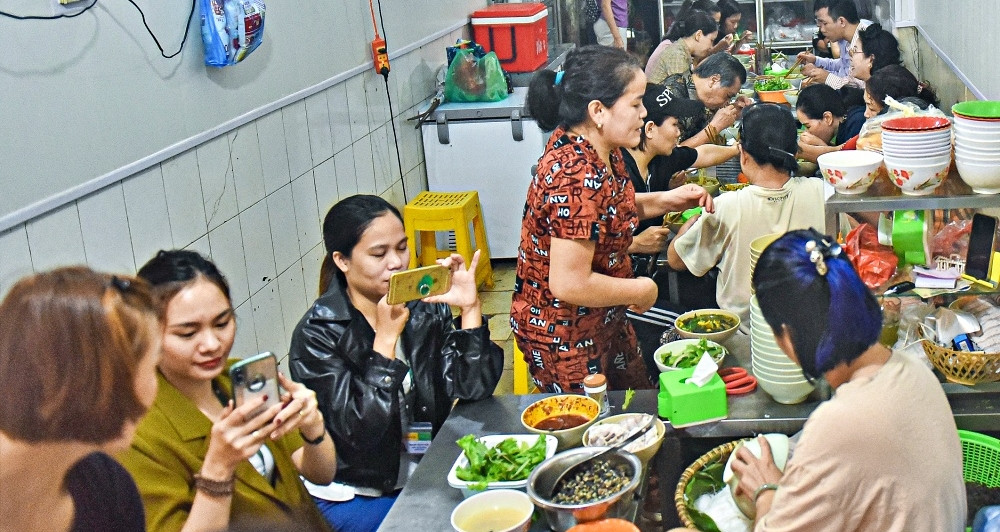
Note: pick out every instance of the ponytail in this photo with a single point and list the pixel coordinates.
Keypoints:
(544, 99)
(327, 271)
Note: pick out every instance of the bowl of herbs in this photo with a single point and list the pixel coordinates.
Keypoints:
(500, 461)
(771, 89)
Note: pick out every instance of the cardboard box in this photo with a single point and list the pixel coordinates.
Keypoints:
(516, 32)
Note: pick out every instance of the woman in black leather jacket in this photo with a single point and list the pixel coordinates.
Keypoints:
(383, 371)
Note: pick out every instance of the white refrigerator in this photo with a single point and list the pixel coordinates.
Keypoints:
(489, 147)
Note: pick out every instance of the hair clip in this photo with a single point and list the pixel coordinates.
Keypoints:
(559, 77)
(121, 284)
(818, 252)
(780, 151)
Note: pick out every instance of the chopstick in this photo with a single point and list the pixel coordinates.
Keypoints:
(795, 64)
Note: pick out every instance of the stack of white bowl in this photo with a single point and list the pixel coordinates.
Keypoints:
(917, 152)
(757, 246)
(777, 375)
(977, 144)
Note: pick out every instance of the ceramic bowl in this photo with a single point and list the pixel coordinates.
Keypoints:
(983, 178)
(558, 405)
(988, 144)
(772, 96)
(923, 157)
(683, 322)
(902, 162)
(917, 179)
(916, 124)
(786, 394)
(495, 510)
(779, 445)
(680, 345)
(850, 171)
(644, 453)
(977, 109)
(792, 96)
(976, 126)
(981, 136)
(613, 524)
(976, 153)
(492, 441)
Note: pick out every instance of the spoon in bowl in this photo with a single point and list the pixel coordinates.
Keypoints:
(573, 469)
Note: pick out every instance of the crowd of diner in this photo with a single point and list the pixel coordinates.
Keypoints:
(124, 416)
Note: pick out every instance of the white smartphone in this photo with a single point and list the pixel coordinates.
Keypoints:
(255, 377)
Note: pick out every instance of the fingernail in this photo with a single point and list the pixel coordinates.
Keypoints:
(265, 397)
(278, 421)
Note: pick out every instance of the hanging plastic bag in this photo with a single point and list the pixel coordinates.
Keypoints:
(474, 80)
(874, 262)
(231, 29)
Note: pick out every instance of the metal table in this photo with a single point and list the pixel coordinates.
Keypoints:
(427, 501)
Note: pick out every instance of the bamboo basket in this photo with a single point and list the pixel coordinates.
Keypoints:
(964, 367)
(720, 453)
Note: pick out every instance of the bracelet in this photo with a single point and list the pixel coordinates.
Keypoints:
(317, 441)
(215, 488)
(763, 487)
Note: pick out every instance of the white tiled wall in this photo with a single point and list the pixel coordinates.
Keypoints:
(253, 199)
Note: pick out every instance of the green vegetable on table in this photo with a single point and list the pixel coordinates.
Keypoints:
(509, 460)
(690, 355)
(771, 84)
(629, 395)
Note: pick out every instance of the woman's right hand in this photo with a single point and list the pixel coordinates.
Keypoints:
(235, 438)
(811, 140)
(389, 323)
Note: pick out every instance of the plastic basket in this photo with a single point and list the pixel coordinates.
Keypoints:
(980, 458)
(964, 367)
(720, 453)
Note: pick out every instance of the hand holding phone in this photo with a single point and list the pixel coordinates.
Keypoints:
(418, 283)
(254, 377)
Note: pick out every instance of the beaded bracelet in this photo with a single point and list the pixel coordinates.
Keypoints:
(215, 488)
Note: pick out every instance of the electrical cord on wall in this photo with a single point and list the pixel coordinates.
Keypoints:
(388, 96)
(187, 28)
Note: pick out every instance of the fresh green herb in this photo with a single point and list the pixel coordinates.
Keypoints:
(509, 460)
(629, 395)
(690, 355)
(771, 84)
(707, 480)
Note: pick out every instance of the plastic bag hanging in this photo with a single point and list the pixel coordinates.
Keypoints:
(231, 29)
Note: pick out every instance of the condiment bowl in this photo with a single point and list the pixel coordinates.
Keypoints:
(850, 171)
(494, 511)
(561, 405)
(682, 321)
(562, 517)
(646, 452)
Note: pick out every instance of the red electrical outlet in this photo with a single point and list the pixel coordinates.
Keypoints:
(380, 57)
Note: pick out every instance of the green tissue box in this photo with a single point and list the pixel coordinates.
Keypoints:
(686, 404)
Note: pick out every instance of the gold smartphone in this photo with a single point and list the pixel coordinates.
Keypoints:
(418, 283)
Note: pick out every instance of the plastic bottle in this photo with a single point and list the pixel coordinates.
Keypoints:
(596, 387)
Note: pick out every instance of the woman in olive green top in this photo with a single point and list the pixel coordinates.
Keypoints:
(201, 463)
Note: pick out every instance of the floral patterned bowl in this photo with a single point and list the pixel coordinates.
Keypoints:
(915, 178)
(850, 171)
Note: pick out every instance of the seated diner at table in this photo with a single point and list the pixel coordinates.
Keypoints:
(883, 453)
(828, 122)
(716, 82)
(574, 276)
(385, 374)
(78, 352)
(693, 37)
(774, 202)
(200, 461)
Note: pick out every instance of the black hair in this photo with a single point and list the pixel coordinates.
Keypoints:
(729, 8)
(851, 96)
(900, 83)
(590, 73)
(728, 68)
(343, 226)
(816, 99)
(171, 270)
(832, 317)
(881, 45)
(769, 135)
(839, 8)
(691, 23)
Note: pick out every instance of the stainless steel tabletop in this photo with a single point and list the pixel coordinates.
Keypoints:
(426, 503)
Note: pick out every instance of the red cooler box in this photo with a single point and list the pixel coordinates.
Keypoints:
(516, 32)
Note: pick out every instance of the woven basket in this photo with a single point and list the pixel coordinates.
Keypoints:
(964, 367)
(720, 453)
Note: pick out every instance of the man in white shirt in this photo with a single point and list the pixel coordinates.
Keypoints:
(839, 21)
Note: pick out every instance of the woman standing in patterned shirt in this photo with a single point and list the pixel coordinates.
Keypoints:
(574, 275)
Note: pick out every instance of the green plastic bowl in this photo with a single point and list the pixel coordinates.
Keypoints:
(977, 109)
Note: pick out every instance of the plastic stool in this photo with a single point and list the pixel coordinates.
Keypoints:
(521, 379)
(447, 211)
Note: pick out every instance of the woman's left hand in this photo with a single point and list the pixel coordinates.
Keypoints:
(463, 292)
(755, 472)
(692, 195)
(300, 411)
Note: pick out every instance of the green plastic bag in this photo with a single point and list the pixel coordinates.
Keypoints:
(474, 80)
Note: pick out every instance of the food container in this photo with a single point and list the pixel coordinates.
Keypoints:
(716, 336)
(493, 511)
(492, 441)
(644, 453)
(680, 345)
(517, 32)
(561, 405)
(562, 517)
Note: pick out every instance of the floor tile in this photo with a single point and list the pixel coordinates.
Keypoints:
(506, 384)
(500, 327)
(504, 272)
(496, 302)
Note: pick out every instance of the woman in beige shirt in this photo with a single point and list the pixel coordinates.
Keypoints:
(693, 36)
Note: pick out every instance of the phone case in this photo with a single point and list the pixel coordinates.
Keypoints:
(253, 377)
(418, 283)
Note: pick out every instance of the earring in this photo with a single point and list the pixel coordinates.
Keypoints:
(599, 125)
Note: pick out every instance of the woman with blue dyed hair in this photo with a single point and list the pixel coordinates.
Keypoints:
(883, 453)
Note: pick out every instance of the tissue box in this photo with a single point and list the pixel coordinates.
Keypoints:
(686, 404)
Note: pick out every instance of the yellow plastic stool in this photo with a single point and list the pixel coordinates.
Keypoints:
(522, 381)
(447, 211)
